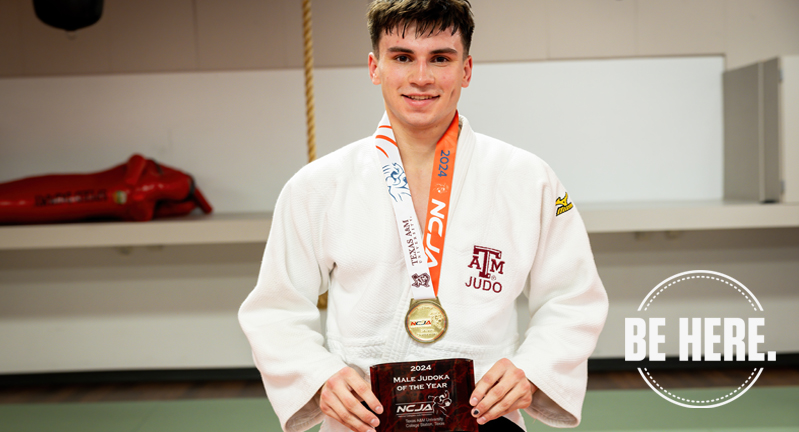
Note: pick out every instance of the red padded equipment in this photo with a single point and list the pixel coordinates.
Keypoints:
(134, 191)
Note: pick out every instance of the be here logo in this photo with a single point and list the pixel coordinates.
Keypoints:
(735, 337)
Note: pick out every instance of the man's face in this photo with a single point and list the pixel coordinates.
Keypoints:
(421, 77)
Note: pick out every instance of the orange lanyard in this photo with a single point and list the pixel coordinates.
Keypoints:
(438, 201)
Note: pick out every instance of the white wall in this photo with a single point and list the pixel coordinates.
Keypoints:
(599, 123)
(241, 134)
(613, 130)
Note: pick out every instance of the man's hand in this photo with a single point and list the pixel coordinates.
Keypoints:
(504, 388)
(341, 396)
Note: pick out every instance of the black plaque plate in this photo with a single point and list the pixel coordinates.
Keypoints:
(425, 396)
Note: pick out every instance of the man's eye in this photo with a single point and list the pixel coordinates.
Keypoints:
(402, 58)
(440, 59)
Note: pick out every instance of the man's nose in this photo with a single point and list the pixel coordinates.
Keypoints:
(422, 74)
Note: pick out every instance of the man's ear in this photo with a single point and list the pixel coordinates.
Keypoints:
(373, 62)
(467, 72)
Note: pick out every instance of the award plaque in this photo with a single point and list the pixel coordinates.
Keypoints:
(425, 396)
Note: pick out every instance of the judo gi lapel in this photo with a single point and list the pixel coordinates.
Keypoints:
(466, 143)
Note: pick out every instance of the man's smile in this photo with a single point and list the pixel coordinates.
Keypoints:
(420, 97)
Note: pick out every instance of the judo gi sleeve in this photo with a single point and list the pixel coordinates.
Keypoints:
(568, 306)
(280, 318)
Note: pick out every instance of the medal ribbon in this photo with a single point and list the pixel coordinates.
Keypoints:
(423, 254)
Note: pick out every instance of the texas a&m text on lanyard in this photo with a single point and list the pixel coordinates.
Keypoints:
(426, 320)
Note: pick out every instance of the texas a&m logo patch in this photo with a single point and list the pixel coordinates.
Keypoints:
(488, 265)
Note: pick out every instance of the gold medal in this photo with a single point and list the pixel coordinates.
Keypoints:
(426, 320)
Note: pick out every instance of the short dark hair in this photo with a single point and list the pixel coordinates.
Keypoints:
(429, 16)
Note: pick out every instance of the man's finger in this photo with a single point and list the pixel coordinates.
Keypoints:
(486, 384)
(339, 400)
(364, 391)
(359, 418)
(331, 405)
(494, 395)
(355, 408)
(518, 397)
(337, 410)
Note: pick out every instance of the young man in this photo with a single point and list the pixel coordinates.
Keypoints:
(510, 230)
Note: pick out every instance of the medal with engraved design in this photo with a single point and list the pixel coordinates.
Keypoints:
(426, 320)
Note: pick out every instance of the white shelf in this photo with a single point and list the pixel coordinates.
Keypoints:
(692, 215)
(200, 229)
(228, 228)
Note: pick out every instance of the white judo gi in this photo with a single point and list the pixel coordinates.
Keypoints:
(333, 230)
